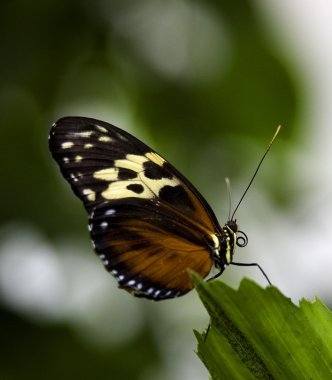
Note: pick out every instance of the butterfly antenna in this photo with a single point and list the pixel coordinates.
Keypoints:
(256, 171)
(228, 185)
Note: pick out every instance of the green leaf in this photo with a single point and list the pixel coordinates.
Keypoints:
(258, 333)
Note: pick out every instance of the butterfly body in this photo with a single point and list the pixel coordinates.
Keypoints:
(148, 223)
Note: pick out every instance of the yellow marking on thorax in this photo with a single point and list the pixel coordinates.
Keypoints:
(67, 145)
(230, 250)
(215, 240)
(216, 244)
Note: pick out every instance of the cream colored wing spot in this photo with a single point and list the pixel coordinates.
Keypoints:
(109, 174)
(119, 190)
(85, 134)
(78, 158)
(142, 187)
(132, 162)
(154, 157)
(65, 160)
(138, 159)
(155, 185)
(90, 194)
(150, 188)
(88, 146)
(121, 137)
(101, 129)
(67, 145)
(136, 162)
(105, 139)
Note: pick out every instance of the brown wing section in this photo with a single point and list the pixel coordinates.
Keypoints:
(149, 247)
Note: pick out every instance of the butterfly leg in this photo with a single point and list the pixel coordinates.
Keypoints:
(253, 265)
(217, 275)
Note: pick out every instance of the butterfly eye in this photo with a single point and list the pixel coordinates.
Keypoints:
(242, 240)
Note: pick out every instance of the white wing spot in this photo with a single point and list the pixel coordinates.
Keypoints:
(73, 177)
(121, 277)
(156, 294)
(131, 282)
(114, 272)
(67, 145)
(150, 290)
(88, 146)
(65, 160)
(139, 286)
(103, 225)
(109, 212)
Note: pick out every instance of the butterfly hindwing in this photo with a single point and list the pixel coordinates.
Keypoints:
(148, 222)
(149, 246)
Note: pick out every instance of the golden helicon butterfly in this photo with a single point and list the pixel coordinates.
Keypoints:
(149, 225)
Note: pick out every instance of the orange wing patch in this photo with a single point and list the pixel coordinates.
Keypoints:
(150, 256)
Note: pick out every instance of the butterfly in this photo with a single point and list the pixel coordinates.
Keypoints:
(149, 225)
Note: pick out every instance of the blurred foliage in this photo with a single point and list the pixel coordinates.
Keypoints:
(44, 352)
(198, 79)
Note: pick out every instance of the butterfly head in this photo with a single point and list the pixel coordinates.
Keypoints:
(225, 243)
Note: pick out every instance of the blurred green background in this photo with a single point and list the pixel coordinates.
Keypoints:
(205, 83)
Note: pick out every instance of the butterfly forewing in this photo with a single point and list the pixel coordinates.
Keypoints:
(148, 223)
(93, 154)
